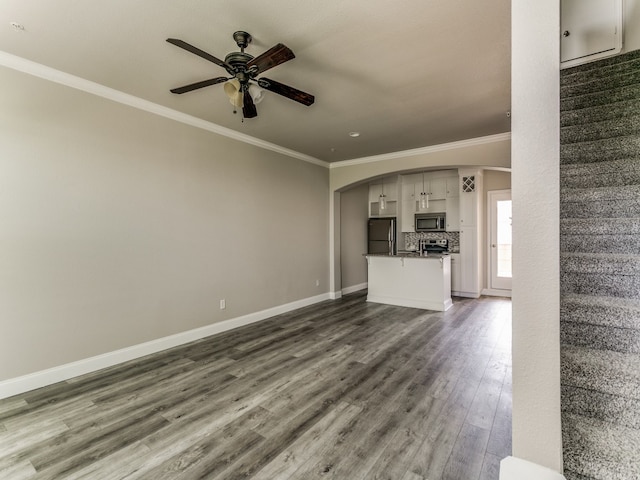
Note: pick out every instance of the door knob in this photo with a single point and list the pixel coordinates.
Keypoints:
(566, 33)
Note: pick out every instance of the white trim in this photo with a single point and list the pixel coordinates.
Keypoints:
(412, 303)
(53, 75)
(355, 288)
(493, 292)
(25, 383)
(335, 295)
(500, 137)
(512, 468)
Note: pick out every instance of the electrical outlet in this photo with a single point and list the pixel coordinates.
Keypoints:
(317, 283)
(223, 304)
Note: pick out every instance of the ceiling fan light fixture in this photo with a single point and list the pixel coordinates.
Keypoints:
(232, 89)
(257, 93)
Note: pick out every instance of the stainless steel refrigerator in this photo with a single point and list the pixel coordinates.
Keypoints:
(382, 236)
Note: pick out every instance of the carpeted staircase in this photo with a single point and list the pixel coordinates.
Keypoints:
(600, 268)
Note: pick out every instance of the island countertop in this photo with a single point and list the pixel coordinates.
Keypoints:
(431, 256)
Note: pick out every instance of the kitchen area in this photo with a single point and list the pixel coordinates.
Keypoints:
(423, 238)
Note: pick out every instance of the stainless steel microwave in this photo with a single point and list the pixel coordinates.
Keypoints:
(430, 222)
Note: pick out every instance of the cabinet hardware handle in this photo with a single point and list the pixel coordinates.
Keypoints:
(566, 33)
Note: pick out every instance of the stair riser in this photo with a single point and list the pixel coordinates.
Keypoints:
(609, 97)
(601, 130)
(601, 84)
(600, 244)
(599, 337)
(608, 227)
(600, 113)
(601, 174)
(602, 209)
(624, 286)
(600, 151)
(605, 407)
(626, 318)
(604, 68)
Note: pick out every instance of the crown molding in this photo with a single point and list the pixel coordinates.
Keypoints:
(500, 137)
(42, 71)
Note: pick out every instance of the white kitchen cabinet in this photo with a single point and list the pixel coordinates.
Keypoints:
(589, 29)
(469, 262)
(455, 274)
(470, 197)
(453, 186)
(407, 187)
(453, 214)
(471, 189)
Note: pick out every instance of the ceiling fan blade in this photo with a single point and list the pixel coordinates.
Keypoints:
(197, 85)
(201, 53)
(248, 107)
(274, 56)
(286, 91)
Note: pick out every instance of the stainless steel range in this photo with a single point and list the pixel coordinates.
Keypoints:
(433, 245)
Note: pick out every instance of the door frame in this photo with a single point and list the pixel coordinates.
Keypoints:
(489, 264)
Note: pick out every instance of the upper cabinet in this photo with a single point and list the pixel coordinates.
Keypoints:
(590, 29)
(389, 188)
(438, 186)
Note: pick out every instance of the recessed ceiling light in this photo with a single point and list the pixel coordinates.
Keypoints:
(354, 134)
(18, 27)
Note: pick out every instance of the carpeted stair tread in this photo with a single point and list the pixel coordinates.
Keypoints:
(599, 194)
(605, 236)
(600, 337)
(614, 373)
(612, 275)
(598, 310)
(605, 150)
(614, 173)
(599, 449)
(605, 263)
(619, 65)
(595, 99)
(600, 243)
(617, 127)
(601, 406)
(593, 68)
(601, 84)
(600, 113)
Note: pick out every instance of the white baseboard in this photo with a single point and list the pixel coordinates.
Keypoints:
(512, 468)
(355, 288)
(31, 381)
(496, 293)
(442, 306)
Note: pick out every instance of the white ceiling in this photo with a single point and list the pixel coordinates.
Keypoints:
(406, 74)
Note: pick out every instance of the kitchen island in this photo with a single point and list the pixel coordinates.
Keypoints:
(410, 280)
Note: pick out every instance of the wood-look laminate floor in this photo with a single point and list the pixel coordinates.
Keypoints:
(343, 389)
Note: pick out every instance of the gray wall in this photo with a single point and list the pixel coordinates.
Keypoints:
(119, 227)
(354, 212)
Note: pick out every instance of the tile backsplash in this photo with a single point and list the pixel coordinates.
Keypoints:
(414, 239)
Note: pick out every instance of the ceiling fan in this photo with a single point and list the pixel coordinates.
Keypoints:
(244, 69)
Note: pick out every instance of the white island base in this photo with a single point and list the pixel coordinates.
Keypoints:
(410, 281)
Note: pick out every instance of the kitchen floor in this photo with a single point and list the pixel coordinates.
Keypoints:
(342, 389)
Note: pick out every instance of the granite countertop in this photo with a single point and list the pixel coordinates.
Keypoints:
(431, 256)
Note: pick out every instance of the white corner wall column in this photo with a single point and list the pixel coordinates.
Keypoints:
(535, 186)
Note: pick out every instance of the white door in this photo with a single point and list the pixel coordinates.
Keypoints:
(500, 239)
